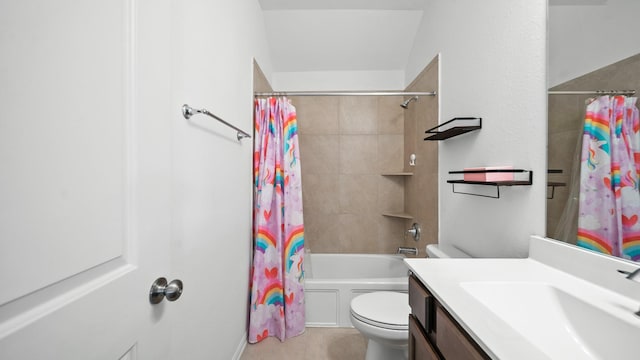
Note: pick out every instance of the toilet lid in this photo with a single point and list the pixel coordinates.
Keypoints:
(382, 308)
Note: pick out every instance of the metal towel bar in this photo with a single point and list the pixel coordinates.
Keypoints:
(188, 111)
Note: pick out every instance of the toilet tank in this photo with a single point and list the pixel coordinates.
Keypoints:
(445, 251)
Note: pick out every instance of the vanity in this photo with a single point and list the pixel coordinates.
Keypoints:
(541, 307)
(433, 333)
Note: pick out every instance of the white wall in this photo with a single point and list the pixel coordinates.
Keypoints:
(583, 38)
(492, 65)
(214, 44)
(338, 80)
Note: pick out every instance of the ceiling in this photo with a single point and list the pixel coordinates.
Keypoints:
(341, 35)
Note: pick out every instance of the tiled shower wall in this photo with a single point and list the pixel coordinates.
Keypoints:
(260, 82)
(345, 144)
(566, 117)
(421, 193)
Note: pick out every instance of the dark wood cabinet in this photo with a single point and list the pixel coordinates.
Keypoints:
(419, 346)
(433, 333)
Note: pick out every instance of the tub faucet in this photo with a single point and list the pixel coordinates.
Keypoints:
(407, 250)
(633, 276)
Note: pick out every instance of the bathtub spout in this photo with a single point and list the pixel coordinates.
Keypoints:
(407, 250)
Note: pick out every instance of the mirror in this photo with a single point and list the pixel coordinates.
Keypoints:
(589, 49)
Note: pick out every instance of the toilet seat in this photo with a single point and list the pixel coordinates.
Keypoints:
(383, 309)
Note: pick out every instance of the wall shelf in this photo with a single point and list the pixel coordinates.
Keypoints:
(554, 184)
(454, 127)
(497, 184)
(397, 174)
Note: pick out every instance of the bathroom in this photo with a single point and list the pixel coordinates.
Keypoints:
(175, 192)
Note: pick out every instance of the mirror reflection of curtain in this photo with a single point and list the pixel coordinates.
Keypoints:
(567, 228)
(609, 204)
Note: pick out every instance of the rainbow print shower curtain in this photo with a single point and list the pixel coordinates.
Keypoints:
(608, 219)
(277, 276)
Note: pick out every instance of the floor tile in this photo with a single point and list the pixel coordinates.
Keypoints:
(314, 344)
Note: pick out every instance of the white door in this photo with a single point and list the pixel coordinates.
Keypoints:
(85, 178)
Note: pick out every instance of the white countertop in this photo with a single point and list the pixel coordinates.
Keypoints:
(595, 283)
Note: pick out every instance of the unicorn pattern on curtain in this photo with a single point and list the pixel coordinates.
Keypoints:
(277, 274)
(609, 204)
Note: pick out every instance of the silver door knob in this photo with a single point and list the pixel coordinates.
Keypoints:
(160, 289)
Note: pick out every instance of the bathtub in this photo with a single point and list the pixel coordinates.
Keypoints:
(332, 280)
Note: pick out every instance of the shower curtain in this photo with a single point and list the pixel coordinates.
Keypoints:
(277, 274)
(610, 167)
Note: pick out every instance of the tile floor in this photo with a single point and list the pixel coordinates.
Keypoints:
(314, 344)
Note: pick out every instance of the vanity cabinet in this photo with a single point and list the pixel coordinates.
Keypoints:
(433, 333)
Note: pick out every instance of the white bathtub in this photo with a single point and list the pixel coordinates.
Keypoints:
(335, 279)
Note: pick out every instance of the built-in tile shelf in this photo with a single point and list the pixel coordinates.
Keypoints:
(398, 215)
(395, 214)
(397, 174)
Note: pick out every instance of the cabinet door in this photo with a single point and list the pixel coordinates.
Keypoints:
(452, 341)
(421, 302)
(419, 347)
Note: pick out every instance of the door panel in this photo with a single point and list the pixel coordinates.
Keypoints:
(82, 206)
(58, 332)
(62, 145)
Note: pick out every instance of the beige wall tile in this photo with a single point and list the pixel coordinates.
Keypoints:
(358, 115)
(421, 191)
(317, 115)
(390, 115)
(410, 137)
(320, 193)
(260, 82)
(358, 194)
(358, 154)
(319, 154)
(390, 235)
(322, 232)
(391, 194)
(565, 112)
(359, 233)
(410, 196)
(390, 153)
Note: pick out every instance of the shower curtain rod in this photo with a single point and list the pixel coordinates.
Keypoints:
(593, 92)
(345, 93)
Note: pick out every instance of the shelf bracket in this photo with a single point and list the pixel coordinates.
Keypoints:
(497, 196)
(553, 187)
(553, 191)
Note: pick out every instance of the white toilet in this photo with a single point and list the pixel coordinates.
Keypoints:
(382, 317)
